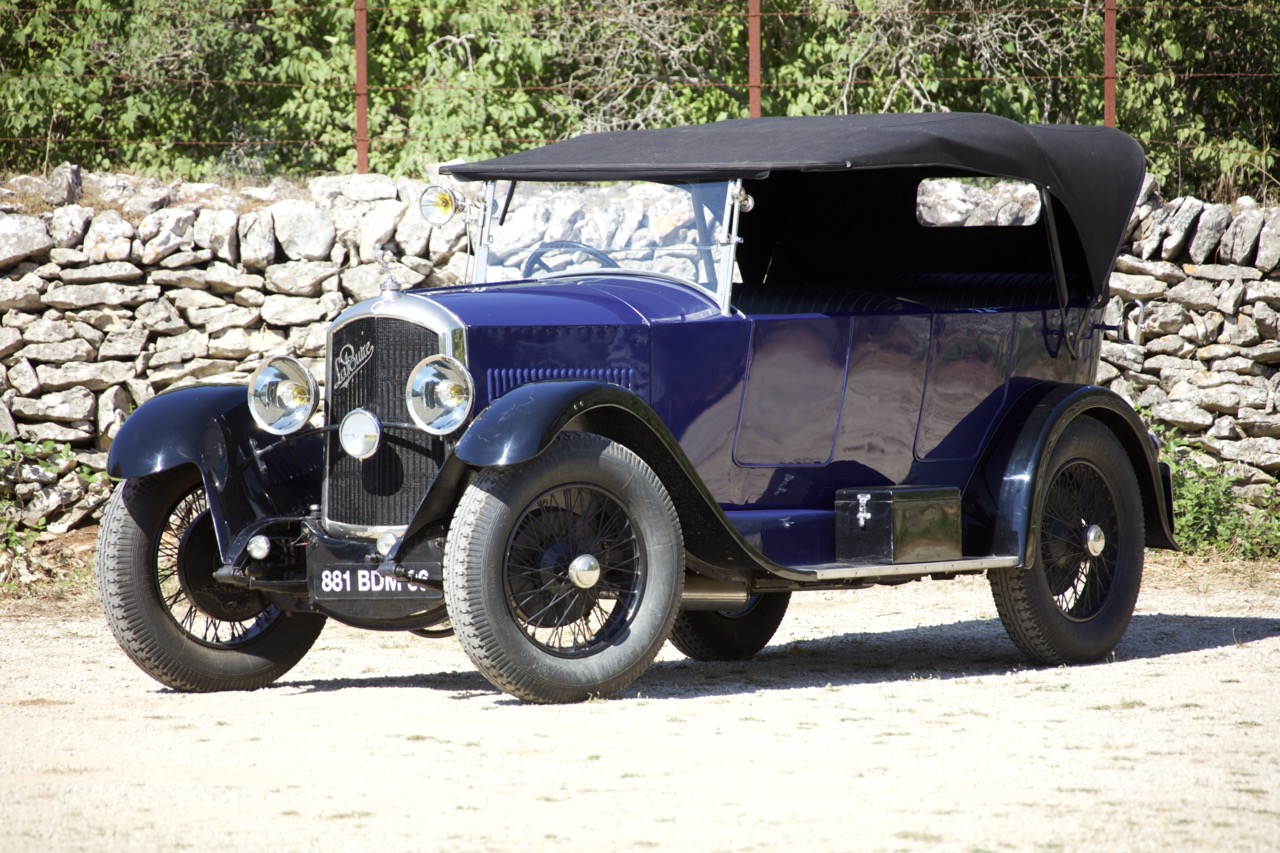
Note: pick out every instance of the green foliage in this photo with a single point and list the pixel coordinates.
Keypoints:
(190, 88)
(1209, 517)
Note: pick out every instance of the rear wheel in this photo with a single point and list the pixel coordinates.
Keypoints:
(156, 557)
(730, 634)
(563, 574)
(1075, 600)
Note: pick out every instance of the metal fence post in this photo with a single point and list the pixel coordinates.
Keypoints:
(362, 89)
(1109, 63)
(753, 58)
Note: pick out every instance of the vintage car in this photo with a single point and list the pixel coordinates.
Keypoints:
(692, 371)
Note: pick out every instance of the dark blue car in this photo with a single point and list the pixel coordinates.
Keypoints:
(693, 371)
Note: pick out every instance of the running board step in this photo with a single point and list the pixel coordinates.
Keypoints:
(845, 571)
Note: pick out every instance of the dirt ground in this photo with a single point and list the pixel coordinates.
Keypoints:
(885, 719)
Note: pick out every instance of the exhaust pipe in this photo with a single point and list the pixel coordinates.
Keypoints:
(704, 593)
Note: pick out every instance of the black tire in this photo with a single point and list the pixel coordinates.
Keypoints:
(156, 558)
(1072, 605)
(730, 635)
(523, 620)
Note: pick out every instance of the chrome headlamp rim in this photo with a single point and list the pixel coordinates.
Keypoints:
(298, 372)
(440, 204)
(450, 418)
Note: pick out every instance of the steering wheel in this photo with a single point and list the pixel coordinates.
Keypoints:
(535, 259)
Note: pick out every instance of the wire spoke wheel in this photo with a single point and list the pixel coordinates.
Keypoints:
(208, 612)
(563, 573)
(561, 612)
(1079, 509)
(157, 553)
(1074, 599)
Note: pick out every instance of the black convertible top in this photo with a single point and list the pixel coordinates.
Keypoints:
(1094, 172)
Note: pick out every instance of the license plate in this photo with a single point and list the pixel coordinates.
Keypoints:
(347, 582)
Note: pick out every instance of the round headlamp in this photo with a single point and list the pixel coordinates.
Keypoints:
(439, 204)
(360, 433)
(439, 394)
(282, 395)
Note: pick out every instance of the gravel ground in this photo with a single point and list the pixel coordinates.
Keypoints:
(884, 719)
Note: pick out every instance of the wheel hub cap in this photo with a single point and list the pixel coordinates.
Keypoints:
(584, 571)
(1095, 540)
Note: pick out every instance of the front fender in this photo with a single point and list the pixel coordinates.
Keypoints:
(209, 426)
(1013, 469)
(522, 423)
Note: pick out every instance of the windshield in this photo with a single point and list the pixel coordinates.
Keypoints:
(541, 229)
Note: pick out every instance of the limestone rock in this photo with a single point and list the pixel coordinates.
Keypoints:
(216, 230)
(67, 225)
(1136, 287)
(305, 232)
(1196, 294)
(94, 376)
(59, 353)
(1240, 331)
(113, 407)
(178, 260)
(299, 278)
(1185, 416)
(10, 341)
(256, 231)
(287, 311)
(378, 227)
(22, 237)
(23, 377)
(109, 293)
(46, 331)
(1268, 257)
(148, 199)
(1222, 272)
(328, 188)
(165, 232)
(215, 320)
(68, 257)
(176, 349)
(1209, 230)
(1241, 237)
(1178, 226)
(73, 404)
(110, 271)
(199, 368)
(23, 294)
(1124, 356)
(65, 185)
(126, 343)
(1164, 319)
(80, 432)
(1163, 270)
(160, 316)
(109, 238)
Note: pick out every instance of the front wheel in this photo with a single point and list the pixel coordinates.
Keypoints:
(730, 634)
(1073, 603)
(563, 574)
(156, 557)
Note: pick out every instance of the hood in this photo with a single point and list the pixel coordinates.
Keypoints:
(617, 299)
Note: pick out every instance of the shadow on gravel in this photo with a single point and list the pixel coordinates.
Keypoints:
(957, 650)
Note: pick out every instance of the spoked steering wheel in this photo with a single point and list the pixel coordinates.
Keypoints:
(535, 260)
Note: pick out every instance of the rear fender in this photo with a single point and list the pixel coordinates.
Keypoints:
(248, 473)
(1002, 496)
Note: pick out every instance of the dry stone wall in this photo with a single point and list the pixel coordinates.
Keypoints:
(1196, 296)
(113, 288)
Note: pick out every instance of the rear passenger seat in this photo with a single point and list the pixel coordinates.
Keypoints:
(903, 292)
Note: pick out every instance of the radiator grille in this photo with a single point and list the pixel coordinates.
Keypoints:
(369, 364)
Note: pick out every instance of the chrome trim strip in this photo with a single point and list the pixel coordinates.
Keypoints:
(887, 570)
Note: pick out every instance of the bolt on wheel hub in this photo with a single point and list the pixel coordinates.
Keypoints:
(1095, 540)
(584, 571)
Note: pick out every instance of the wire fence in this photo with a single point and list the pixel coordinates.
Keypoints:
(445, 96)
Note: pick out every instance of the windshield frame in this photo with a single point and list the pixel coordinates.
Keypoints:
(718, 288)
